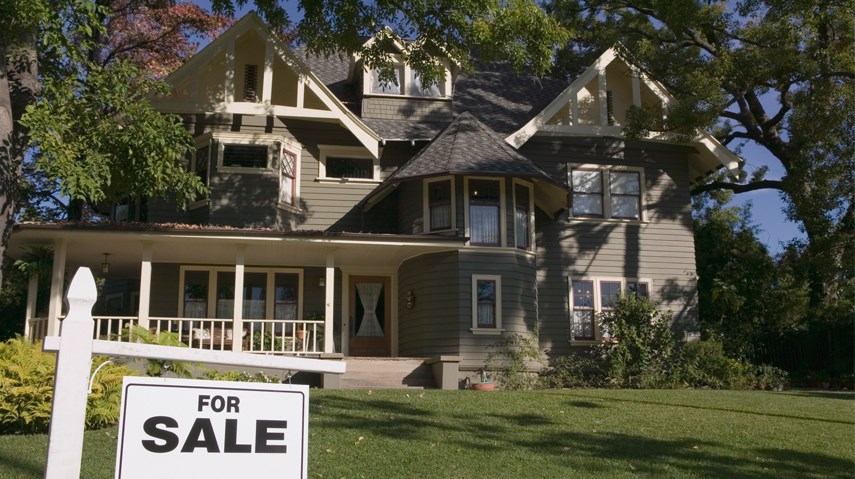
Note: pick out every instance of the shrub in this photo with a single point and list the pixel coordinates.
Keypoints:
(159, 367)
(575, 370)
(705, 365)
(643, 351)
(242, 376)
(769, 378)
(514, 361)
(27, 377)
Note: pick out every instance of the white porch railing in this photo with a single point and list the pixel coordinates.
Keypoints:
(114, 328)
(37, 329)
(273, 336)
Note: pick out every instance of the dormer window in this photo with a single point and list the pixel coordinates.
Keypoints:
(250, 83)
(407, 83)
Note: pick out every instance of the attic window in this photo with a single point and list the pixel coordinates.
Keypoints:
(610, 107)
(250, 83)
(350, 168)
(245, 156)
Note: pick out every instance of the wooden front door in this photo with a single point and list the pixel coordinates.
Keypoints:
(370, 316)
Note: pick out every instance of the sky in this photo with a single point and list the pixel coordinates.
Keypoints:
(766, 205)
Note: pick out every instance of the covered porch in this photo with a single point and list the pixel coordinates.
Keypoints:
(301, 293)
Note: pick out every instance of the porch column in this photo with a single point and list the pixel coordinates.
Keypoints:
(329, 310)
(56, 285)
(237, 325)
(32, 293)
(145, 285)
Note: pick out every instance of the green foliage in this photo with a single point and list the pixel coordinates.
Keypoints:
(242, 376)
(703, 364)
(27, 379)
(575, 370)
(515, 360)
(268, 341)
(159, 367)
(644, 346)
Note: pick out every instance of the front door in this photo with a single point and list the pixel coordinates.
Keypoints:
(370, 316)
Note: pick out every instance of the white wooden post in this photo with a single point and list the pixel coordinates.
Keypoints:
(237, 324)
(145, 285)
(56, 283)
(329, 298)
(32, 295)
(68, 412)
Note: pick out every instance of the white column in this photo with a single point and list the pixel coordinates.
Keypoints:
(68, 411)
(574, 108)
(56, 283)
(237, 344)
(32, 293)
(329, 306)
(229, 85)
(636, 89)
(145, 284)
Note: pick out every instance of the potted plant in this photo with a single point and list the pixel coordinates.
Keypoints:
(485, 384)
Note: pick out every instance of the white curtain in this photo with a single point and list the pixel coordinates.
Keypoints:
(369, 294)
(440, 216)
(194, 308)
(484, 221)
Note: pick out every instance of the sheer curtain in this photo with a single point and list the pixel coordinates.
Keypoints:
(369, 294)
(484, 224)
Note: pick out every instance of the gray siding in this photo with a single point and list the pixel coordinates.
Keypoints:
(409, 109)
(661, 248)
(430, 328)
(164, 290)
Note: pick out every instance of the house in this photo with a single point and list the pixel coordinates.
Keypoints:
(360, 218)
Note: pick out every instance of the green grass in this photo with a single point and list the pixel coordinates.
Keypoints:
(547, 434)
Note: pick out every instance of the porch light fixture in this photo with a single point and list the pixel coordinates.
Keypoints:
(322, 282)
(411, 299)
(105, 266)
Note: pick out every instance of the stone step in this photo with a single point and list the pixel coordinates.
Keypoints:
(384, 373)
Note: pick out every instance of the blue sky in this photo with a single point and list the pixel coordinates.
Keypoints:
(767, 206)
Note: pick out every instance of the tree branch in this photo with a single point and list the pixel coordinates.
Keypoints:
(739, 188)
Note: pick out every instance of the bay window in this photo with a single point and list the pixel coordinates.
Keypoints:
(523, 215)
(439, 201)
(484, 204)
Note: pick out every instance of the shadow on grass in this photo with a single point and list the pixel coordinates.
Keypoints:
(541, 438)
(710, 408)
(21, 466)
(585, 404)
(847, 395)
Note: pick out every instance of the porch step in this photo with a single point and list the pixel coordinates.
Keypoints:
(387, 373)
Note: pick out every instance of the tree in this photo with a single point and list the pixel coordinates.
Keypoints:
(61, 50)
(776, 73)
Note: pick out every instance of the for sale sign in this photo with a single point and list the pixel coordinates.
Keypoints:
(212, 429)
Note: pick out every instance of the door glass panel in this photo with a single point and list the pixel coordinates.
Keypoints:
(195, 294)
(285, 297)
(370, 308)
(225, 294)
(254, 295)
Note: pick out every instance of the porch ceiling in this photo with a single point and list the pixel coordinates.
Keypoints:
(86, 247)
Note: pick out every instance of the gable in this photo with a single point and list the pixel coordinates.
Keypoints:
(247, 70)
(596, 104)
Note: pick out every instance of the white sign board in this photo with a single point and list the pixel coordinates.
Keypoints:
(212, 429)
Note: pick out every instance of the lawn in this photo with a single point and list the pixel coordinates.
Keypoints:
(547, 434)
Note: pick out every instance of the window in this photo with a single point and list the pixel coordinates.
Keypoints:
(250, 83)
(200, 164)
(347, 164)
(439, 198)
(288, 178)
(245, 156)
(484, 218)
(486, 303)
(607, 192)
(588, 297)
(407, 82)
(523, 217)
(267, 293)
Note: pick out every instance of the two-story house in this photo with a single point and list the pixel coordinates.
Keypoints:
(349, 215)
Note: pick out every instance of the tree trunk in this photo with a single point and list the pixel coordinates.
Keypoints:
(18, 88)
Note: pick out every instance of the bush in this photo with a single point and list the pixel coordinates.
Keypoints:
(643, 351)
(27, 377)
(515, 361)
(575, 370)
(242, 376)
(704, 365)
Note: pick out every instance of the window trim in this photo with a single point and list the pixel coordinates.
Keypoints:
(354, 152)
(201, 141)
(503, 227)
(270, 285)
(474, 292)
(531, 236)
(605, 171)
(598, 307)
(426, 204)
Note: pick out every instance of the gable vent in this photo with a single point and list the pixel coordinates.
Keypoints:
(250, 83)
(610, 107)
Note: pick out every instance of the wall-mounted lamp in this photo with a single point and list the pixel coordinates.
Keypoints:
(105, 266)
(322, 282)
(411, 299)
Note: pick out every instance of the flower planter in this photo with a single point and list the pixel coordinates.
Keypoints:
(483, 386)
(301, 334)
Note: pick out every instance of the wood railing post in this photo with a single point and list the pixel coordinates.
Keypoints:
(68, 411)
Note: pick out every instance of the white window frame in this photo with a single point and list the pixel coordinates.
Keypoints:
(607, 203)
(426, 203)
(481, 330)
(355, 152)
(273, 143)
(405, 83)
(503, 240)
(530, 187)
(269, 306)
(200, 142)
(598, 307)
